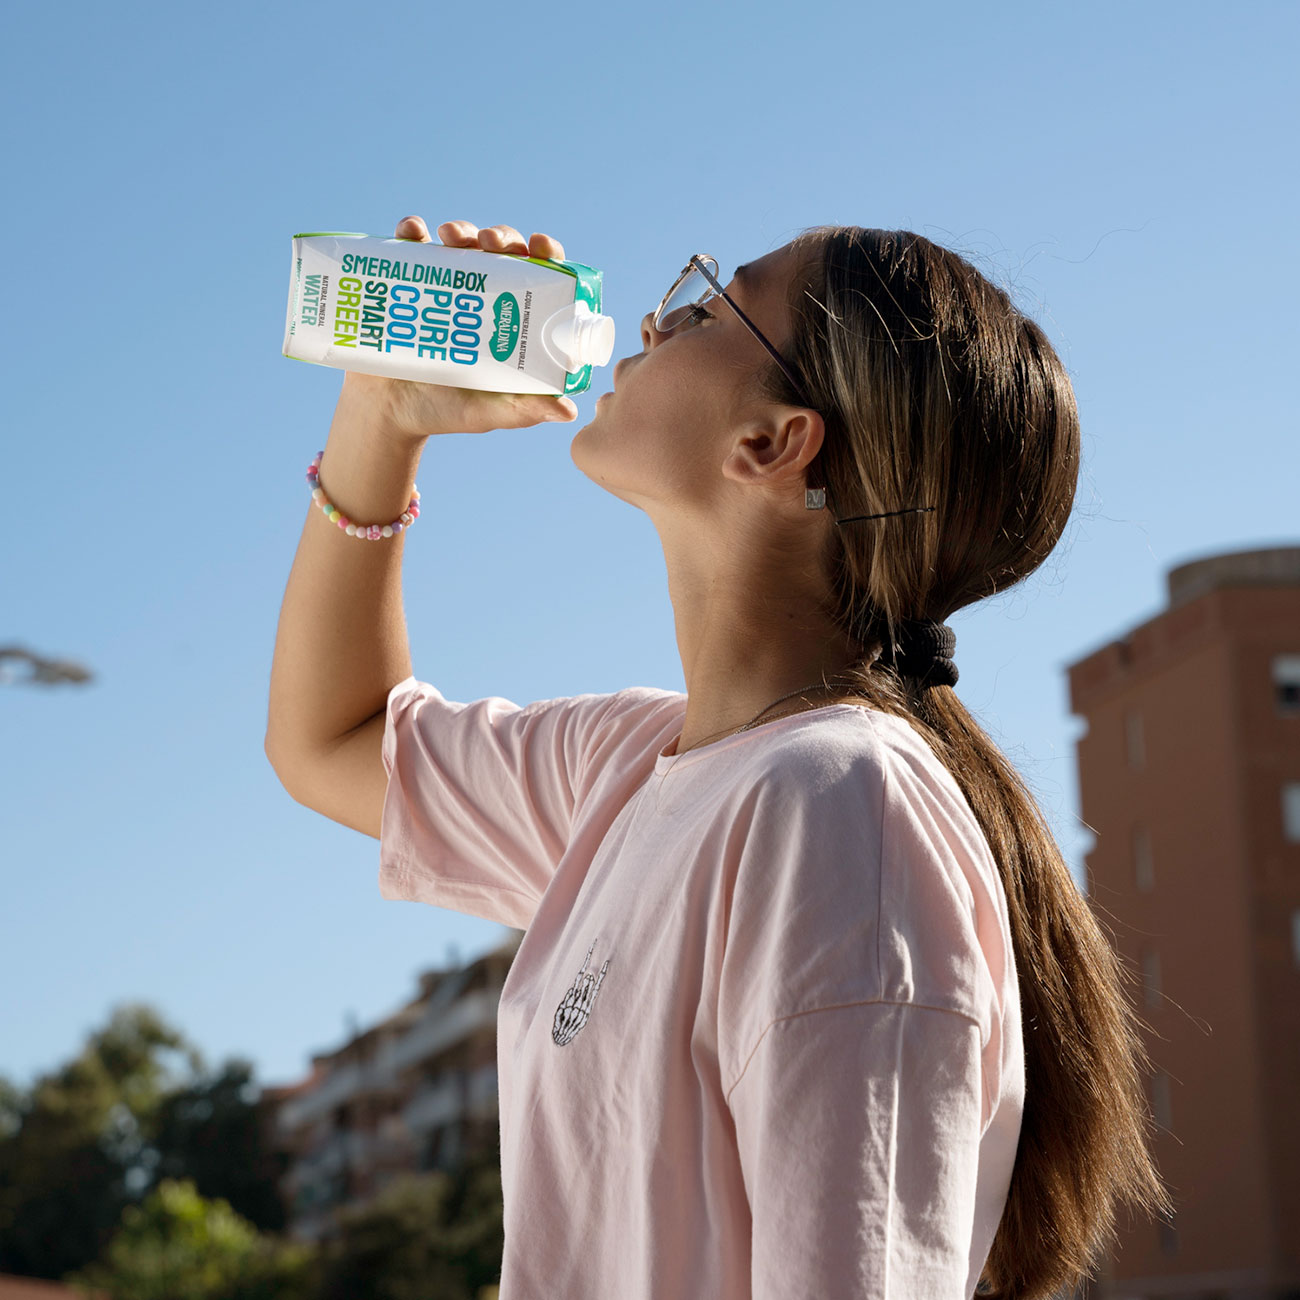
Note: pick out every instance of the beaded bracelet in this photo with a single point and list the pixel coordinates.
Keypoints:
(370, 532)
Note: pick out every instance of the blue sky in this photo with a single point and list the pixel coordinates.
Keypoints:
(1126, 171)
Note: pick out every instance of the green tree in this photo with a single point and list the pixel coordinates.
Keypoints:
(178, 1246)
(95, 1136)
(212, 1131)
(85, 1157)
(69, 1148)
(431, 1236)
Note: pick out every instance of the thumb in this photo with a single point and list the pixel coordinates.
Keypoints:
(560, 408)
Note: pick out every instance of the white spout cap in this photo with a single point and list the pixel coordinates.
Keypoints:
(581, 337)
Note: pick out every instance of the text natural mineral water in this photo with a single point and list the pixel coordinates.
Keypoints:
(456, 316)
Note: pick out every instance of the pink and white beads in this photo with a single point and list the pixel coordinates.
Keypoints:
(370, 532)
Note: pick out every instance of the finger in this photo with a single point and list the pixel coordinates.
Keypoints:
(502, 239)
(526, 409)
(413, 228)
(544, 246)
(562, 409)
(459, 234)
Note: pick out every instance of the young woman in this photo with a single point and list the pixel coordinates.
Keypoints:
(807, 1003)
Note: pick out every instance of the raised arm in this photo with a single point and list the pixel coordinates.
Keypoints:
(341, 644)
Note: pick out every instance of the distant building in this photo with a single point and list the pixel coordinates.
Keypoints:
(1189, 776)
(414, 1093)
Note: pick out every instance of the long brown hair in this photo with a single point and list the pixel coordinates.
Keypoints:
(936, 390)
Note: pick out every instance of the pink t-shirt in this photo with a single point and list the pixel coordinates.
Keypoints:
(761, 1039)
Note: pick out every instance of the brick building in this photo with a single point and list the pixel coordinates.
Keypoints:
(414, 1093)
(1189, 777)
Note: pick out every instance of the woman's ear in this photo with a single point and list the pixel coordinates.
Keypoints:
(777, 450)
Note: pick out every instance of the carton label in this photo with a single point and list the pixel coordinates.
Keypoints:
(440, 314)
(505, 326)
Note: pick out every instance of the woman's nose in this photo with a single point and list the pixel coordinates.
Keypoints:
(649, 335)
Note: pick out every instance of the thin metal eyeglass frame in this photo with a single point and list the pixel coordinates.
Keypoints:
(814, 498)
(696, 264)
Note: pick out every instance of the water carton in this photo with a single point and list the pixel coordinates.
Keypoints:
(461, 317)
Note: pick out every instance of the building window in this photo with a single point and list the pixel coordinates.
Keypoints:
(1144, 872)
(1160, 1104)
(431, 1154)
(1291, 811)
(1286, 680)
(1137, 757)
(1151, 977)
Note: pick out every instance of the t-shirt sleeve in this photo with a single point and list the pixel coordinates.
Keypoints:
(858, 1129)
(851, 886)
(481, 796)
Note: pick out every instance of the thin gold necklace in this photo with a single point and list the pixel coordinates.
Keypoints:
(754, 720)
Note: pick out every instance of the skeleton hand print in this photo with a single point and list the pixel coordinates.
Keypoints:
(575, 1008)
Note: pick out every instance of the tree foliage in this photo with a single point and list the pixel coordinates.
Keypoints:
(72, 1142)
(123, 1172)
(211, 1131)
(96, 1135)
(178, 1246)
(430, 1236)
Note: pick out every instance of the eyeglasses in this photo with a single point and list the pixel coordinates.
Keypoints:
(697, 284)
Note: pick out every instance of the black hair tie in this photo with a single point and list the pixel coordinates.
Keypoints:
(923, 650)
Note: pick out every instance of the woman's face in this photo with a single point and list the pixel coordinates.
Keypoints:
(683, 402)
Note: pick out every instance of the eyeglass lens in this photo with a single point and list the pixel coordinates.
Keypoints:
(691, 290)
